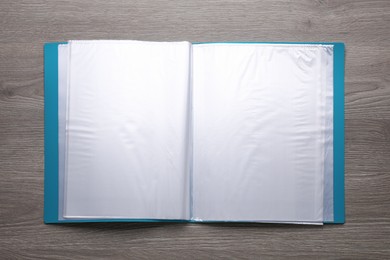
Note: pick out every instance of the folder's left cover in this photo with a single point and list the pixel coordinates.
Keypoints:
(51, 132)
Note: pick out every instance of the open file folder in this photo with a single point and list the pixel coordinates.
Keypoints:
(174, 131)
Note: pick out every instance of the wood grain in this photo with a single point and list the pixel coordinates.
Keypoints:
(364, 26)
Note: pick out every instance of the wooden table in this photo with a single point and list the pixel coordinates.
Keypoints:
(364, 26)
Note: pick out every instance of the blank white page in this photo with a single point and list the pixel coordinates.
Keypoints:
(259, 132)
(127, 131)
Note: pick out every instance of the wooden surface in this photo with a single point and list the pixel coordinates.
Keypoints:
(364, 26)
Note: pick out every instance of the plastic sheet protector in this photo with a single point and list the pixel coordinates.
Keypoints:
(199, 132)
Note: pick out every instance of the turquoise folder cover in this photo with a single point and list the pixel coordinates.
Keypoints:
(51, 183)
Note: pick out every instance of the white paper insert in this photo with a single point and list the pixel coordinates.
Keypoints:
(259, 132)
(127, 132)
